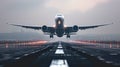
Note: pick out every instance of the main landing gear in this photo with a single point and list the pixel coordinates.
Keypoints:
(68, 36)
(51, 36)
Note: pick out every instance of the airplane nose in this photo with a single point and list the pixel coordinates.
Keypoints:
(59, 19)
(59, 15)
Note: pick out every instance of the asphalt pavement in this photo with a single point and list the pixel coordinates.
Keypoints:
(64, 54)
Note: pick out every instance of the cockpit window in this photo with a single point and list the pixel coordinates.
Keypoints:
(59, 15)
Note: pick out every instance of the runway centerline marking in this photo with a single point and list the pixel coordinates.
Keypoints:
(59, 63)
(59, 47)
(59, 51)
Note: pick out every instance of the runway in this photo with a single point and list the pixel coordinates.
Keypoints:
(66, 54)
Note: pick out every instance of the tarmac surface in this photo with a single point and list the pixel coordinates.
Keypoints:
(61, 54)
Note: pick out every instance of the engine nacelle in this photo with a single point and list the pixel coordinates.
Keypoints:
(44, 28)
(75, 28)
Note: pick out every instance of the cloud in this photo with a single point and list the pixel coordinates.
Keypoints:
(74, 5)
(19, 5)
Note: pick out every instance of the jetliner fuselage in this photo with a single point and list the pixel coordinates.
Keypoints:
(59, 25)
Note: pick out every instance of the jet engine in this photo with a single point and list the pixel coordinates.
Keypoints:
(44, 28)
(75, 28)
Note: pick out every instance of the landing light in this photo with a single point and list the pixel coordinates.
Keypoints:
(54, 25)
(59, 22)
(65, 26)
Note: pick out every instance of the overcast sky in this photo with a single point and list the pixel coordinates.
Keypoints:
(76, 12)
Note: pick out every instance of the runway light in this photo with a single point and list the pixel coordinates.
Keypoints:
(110, 45)
(6, 46)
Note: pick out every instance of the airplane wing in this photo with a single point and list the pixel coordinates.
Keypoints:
(31, 27)
(95, 26)
(47, 30)
(75, 28)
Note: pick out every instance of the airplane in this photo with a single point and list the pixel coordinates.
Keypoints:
(60, 29)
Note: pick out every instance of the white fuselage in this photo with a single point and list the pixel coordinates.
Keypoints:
(59, 25)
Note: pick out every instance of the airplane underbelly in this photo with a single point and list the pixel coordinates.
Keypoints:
(59, 32)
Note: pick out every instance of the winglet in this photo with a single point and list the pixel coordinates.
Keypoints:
(107, 24)
(14, 24)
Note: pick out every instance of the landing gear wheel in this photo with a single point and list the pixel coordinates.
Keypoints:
(51, 36)
(68, 36)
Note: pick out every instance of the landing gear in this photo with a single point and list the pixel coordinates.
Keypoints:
(51, 36)
(68, 36)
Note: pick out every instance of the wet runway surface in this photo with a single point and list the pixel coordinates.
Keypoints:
(64, 54)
